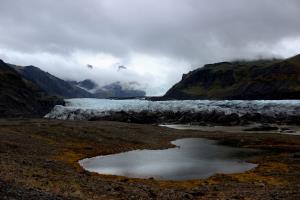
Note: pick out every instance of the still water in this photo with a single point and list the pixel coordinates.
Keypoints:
(193, 158)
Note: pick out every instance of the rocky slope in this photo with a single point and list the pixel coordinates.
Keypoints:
(262, 79)
(51, 84)
(19, 97)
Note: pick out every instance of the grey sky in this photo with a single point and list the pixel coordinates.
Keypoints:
(157, 40)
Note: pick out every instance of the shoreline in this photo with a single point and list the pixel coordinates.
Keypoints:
(42, 155)
(95, 164)
(249, 128)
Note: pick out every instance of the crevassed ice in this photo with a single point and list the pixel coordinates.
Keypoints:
(85, 108)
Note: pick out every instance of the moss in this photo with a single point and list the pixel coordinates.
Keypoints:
(265, 174)
(70, 156)
(255, 178)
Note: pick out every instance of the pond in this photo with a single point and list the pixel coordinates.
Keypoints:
(193, 158)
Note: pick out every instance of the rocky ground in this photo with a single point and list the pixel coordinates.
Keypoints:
(201, 118)
(38, 160)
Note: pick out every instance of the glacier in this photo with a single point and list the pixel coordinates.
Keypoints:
(87, 108)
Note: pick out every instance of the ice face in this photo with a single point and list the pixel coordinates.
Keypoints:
(85, 108)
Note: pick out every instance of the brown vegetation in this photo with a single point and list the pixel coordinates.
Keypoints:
(38, 158)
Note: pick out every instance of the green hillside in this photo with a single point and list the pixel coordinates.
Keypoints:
(261, 79)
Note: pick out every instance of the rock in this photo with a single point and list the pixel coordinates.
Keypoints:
(261, 185)
(199, 191)
(118, 188)
(286, 130)
(11, 191)
(264, 127)
(124, 180)
(188, 196)
(296, 155)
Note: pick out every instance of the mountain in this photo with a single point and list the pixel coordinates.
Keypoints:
(119, 90)
(261, 79)
(87, 84)
(73, 89)
(113, 90)
(51, 84)
(20, 97)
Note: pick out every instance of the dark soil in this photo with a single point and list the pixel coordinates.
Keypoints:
(39, 160)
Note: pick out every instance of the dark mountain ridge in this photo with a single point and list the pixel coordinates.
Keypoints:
(241, 80)
(87, 84)
(20, 97)
(75, 89)
(51, 84)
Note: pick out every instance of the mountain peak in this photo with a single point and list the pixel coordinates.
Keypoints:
(87, 84)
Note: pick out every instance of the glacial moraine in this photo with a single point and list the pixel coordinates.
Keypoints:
(40, 157)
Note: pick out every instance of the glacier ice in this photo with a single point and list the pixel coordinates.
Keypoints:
(85, 108)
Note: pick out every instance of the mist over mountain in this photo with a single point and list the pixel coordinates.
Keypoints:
(87, 84)
(170, 38)
(51, 84)
(258, 79)
(119, 90)
(78, 89)
(114, 90)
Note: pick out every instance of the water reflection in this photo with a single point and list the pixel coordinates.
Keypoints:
(193, 158)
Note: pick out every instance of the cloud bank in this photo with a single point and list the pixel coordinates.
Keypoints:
(156, 40)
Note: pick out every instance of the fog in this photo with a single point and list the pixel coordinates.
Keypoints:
(157, 41)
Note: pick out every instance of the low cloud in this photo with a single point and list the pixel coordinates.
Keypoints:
(156, 40)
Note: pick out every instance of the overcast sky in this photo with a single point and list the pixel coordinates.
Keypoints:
(157, 40)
